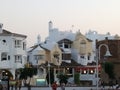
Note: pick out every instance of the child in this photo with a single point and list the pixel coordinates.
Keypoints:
(54, 86)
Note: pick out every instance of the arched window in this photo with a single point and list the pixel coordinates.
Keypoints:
(40, 71)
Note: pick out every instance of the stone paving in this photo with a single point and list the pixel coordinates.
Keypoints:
(66, 88)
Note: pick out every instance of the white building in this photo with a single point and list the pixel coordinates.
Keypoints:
(12, 51)
(61, 37)
(74, 46)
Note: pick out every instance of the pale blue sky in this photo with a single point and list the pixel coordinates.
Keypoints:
(31, 17)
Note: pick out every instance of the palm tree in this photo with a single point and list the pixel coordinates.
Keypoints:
(109, 69)
(51, 77)
(63, 78)
(27, 72)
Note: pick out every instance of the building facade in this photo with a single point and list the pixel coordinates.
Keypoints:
(94, 35)
(66, 50)
(74, 45)
(41, 55)
(12, 51)
(114, 49)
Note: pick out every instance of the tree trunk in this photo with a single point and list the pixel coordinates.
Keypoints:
(29, 86)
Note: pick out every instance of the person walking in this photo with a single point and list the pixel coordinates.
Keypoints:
(62, 86)
(111, 84)
(19, 84)
(102, 85)
(118, 82)
(16, 85)
(1, 87)
(54, 86)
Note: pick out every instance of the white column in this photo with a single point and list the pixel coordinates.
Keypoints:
(13, 73)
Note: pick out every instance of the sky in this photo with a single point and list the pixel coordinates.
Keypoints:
(31, 17)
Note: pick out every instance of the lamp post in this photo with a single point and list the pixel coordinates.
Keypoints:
(98, 58)
(5, 78)
(49, 73)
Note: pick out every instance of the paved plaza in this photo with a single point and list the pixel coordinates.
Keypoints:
(66, 88)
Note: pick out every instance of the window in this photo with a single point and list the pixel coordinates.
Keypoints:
(3, 56)
(8, 57)
(67, 45)
(91, 71)
(56, 56)
(18, 43)
(28, 57)
(68, 71)
(18, 58)
(24, 45)
(84, 71)
(1, 25)
(66, 56)
(60, 45)
(83, 46)
(89, 55)
(4, 41)
(82, 57)
(38, 57)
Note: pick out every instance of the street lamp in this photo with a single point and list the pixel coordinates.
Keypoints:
(49, 72)
(107, 52)
(5, 78)
(98, 57)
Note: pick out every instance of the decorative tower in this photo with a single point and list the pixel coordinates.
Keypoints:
(38, 39)
(50, 25)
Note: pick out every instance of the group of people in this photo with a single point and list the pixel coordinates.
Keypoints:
(18, 84)
(54, 86)
(112, 84)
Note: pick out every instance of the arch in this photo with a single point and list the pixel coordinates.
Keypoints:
(40, 70)
(107, 52)
(7, 73)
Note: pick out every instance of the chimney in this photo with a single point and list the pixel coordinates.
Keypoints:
(1, 25)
